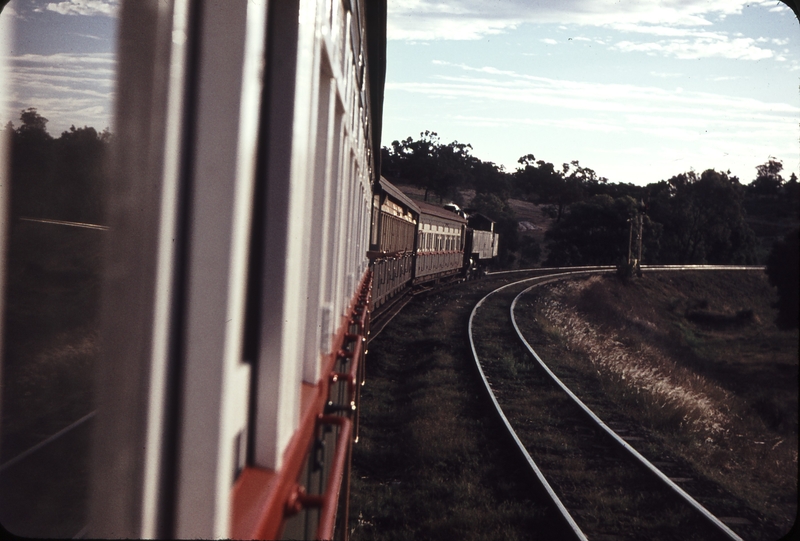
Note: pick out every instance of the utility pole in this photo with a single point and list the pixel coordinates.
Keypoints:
(636, 223)
(630, 241)
(639, 258)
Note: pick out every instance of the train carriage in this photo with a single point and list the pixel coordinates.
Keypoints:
(237, 284)
(395, 218)
(247, 234)
(440, 243)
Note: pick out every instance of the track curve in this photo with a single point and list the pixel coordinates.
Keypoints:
(551, 275)
(717, 523)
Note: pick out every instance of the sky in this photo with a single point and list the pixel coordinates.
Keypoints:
(638, 90)
(61, 60)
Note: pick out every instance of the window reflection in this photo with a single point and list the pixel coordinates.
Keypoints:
(57, 123)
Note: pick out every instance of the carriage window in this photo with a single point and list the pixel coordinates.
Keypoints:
(58, 88)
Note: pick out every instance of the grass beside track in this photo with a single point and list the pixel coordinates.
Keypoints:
(610, 496)
(430, 463)
(695, 361)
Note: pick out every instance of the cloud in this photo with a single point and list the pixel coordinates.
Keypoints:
(575, 123)
(705, 47)
(618, 108)
(475, 19)
(66, 88)
(549, 41)
(65, 58)
(85, 7)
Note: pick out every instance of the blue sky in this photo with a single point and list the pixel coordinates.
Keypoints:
(61, 61)
(637, 90)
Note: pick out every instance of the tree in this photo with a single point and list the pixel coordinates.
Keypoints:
(783, 269)
(33, 124)
(80, 158)
(596, 232)
(703, 219)
(768, 180)
(542, 183)
(429, 164)
(60, 178)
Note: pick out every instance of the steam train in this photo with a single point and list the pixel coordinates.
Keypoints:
(248, 237)
(415, 242)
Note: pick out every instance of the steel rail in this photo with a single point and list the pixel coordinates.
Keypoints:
(646, 463)
(48, 440)
(539, 475)
(644, 268)
(83, 225)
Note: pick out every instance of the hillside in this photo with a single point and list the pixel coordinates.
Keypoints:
(697, 360)
(533, 221)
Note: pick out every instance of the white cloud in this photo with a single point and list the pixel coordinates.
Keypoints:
(576, 123)
(66, 88)
(474, 19)
(607, 107)
(85, 7)
(683, 26)
(65, 58)
(718, 46)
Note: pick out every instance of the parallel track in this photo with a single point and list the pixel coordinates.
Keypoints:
(711, 523)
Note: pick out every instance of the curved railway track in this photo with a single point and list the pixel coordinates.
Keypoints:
(617, 493)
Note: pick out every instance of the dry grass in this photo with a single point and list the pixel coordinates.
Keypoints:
(50, 341)
(700, 405)
(428, 464)
(720, 391)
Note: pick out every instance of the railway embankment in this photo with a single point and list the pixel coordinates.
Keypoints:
(430, 462)
(696, 362)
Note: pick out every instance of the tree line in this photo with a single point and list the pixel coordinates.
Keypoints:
(61, 178)
(689, 218)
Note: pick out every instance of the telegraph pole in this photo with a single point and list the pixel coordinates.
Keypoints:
(636, 224)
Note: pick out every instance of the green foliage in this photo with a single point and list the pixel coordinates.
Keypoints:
(596, 232)
(429, 164)
(539, 181)
(783, 269)
(60, 178)
(769, 179)
(703, 219)
(772, 205)
(529, 250)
